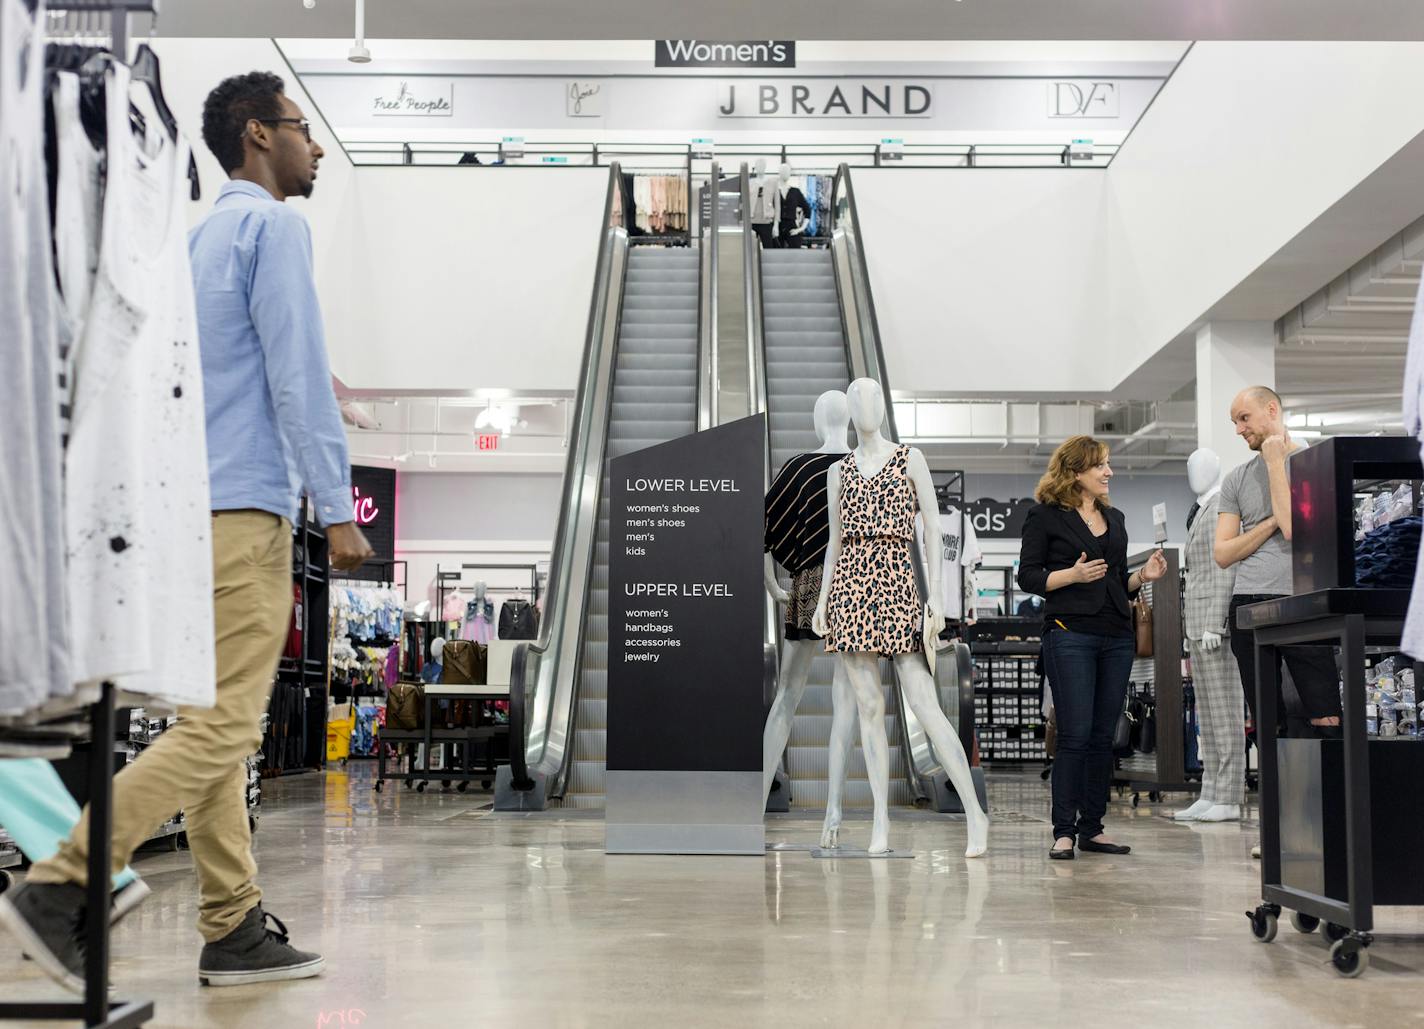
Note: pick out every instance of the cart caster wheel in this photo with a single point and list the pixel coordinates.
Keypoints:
(1156, 798)
(462, 787)
(1349, 957)
(377, 787)
(1303, 923)
(420, 788)
(1263, 924)
(6, 880)
(1334, 933)
(484, 784)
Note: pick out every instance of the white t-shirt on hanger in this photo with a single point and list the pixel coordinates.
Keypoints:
(958, 554)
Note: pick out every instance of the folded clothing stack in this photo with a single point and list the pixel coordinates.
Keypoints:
(1385, 558)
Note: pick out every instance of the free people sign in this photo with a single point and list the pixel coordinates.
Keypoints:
(421, 100)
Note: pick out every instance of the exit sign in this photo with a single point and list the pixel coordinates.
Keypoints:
(488, 441)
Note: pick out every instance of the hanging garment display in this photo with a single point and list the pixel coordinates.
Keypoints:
(660, 204)
(958, 554)
(34, 660)
(518, 620)
(797, 530)
(478, 624)
(874, 601)
(112, 566)
(137, 504)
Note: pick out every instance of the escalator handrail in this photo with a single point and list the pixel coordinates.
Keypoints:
(539, 668)
(707, 307)
(757, 392)
(869, 326)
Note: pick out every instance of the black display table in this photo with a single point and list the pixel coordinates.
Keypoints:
(1342, 821)
(466, 738)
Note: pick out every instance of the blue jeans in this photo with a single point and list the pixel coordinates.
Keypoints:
(1088, 676)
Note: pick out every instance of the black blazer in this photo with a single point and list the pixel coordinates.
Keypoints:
(1053, 537)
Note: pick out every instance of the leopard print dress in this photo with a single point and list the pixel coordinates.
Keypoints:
(874, 603)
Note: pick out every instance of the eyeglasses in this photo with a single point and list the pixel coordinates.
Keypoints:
(303, 126)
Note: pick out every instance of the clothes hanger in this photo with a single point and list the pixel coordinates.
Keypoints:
(145, 70)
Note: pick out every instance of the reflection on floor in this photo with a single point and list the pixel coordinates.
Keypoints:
(434, 911)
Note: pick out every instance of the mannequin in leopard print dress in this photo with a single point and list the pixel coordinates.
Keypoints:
(870, 605)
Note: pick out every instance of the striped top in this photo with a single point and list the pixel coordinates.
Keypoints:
(798, 525)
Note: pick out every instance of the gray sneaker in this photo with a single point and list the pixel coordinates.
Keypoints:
(253, 953)
(46, 920)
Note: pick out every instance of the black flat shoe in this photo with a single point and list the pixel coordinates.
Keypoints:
(1104, 848)
(1066, 854)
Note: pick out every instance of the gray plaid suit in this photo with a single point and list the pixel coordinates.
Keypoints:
(1221, 703)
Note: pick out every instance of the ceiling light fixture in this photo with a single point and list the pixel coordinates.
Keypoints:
(499, 418)
(358, 54)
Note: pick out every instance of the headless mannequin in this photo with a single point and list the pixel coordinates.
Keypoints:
(435, 670)
(765, 204)
(1204, 477)
(789, 233)
(832, 416)
(867, 413)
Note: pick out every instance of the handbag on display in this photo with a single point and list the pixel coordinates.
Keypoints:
(1123, 733)
(466, 663)
(518, 620)
(405, 706)
(1142, 624)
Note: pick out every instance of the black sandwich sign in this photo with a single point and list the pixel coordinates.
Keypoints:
(707, 53)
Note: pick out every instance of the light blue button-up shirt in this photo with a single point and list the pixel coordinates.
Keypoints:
(274, 427)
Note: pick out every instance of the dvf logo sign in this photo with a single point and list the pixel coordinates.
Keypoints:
(1082, 100)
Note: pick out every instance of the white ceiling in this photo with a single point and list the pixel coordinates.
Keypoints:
(821, 19)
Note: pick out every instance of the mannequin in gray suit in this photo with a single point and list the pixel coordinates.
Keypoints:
(1215, 676)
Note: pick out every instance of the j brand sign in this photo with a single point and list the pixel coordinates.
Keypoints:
(428, 101)
(702, 53)
(824, 99)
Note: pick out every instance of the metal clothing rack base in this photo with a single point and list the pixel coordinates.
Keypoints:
(96, 1010)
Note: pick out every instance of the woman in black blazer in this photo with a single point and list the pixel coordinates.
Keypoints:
(1074, 555)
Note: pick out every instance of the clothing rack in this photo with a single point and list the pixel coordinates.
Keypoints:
(97, 1011)
(385, 568)
(1167, 771)
(445, 579)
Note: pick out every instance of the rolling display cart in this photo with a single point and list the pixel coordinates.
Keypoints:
(466, 738)
(1342, 820)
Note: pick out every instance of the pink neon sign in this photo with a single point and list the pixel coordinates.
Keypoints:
(366, 509)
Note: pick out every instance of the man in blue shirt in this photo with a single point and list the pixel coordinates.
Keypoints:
(273, 428)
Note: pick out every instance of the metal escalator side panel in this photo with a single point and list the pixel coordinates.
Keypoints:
(552, 663)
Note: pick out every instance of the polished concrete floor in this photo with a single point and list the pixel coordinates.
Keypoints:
(434, 911)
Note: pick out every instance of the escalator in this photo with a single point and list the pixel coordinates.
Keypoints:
(654, 400)
(806, 354)
(638, 387)
(820, 333)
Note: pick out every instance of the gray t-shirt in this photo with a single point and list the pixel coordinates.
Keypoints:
(1246, 491)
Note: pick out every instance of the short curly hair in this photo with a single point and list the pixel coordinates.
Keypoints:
(232, 105)
(1059, 485)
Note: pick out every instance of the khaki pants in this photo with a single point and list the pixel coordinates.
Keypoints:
(198, 765)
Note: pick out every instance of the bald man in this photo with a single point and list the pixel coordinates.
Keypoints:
(1253, 532)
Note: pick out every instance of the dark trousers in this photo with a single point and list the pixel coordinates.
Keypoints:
(1088, 676)
(763, 231)
(1312, 669)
